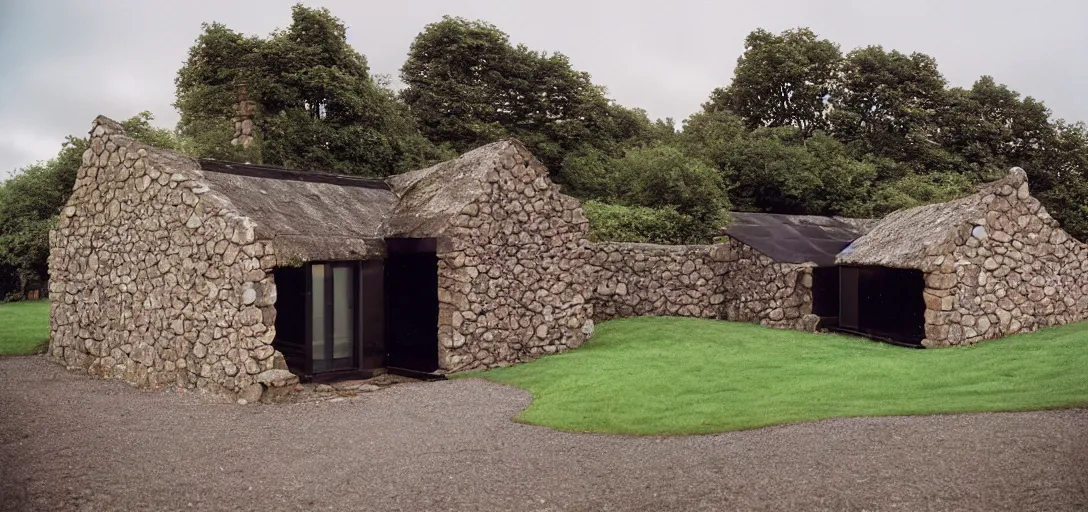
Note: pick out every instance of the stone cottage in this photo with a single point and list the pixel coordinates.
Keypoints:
(172, 271)
(239, 278)
(984, 266)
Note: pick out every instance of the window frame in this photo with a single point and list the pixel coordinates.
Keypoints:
(352, 362)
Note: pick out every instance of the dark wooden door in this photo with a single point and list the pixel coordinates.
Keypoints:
(411, 304)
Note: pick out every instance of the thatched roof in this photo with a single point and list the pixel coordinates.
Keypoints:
(429, 198)
(308, 216)
(316, 216)
(904, 238)
(796, 238)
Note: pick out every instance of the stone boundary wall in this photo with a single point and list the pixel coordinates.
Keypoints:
(155, 282)
(632, 279)
(511, 286)
(1011, 270)
(760, 290)
(728, 281)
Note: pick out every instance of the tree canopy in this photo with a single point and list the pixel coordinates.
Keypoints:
(468, 86)
(31, 198)
(802, 128)
(317, 106)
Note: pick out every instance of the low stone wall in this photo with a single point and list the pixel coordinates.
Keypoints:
(152, 283)
(1011, 270)
(761, 291)
(511, 285)
(725, 281)
(657, 280)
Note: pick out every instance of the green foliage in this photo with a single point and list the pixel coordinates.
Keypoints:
(317, 107)
(24, 327)
(802, 129)
(667, 196)
(662, 176)
(778, 170)
(619, 223)
(139, 127)
(782, 80)
(887, 105)
(664, 376)
(913, 190)
(29, 202)
(32, 197)
(468, 86)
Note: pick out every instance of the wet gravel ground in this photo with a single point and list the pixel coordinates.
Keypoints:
(68, 442)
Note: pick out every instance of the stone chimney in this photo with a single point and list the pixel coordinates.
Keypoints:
(243, 119)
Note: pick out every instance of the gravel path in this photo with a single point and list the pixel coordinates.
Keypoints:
(68, 442)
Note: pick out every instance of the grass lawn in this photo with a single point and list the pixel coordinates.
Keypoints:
(686, 376)
(23, 326)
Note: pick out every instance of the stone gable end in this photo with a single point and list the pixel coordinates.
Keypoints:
(1010, 270)
(154, 281)
(511, 282)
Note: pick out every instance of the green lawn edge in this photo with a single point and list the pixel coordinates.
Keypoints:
(24, 327)
(683, 376)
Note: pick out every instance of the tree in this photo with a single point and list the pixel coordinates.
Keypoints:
(663, 177)
(886, 105)
(782, 80)
(29, 201)
(32, 197)
(912, 190)
(139, 127)
(1059, 177)
(316, 105)
(776, 170)
(468, 86)
(990, 127)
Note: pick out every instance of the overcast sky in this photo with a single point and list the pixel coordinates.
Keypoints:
(62, 62)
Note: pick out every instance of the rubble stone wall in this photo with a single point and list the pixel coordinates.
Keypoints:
(511, 283)
(760, 290)
(632, 279)
(155, 282)
(1011, 270)
(728, 281)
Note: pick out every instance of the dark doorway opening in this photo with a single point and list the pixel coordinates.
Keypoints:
(290, 314)
(825, 295)
(411, 304)
(883, 303)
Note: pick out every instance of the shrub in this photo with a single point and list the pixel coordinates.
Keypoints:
(664, 225)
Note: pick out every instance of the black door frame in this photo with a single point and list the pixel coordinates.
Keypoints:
(367, 342)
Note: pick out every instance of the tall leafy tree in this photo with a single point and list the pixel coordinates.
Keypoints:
(468, 85)
(887, 105)
(991, 126)
(782, 80)
(32, 197)
(317, 106)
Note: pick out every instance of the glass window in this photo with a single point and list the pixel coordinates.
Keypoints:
(343, 318)
(317, 321)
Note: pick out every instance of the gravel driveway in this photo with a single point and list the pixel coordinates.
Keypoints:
(68, 442)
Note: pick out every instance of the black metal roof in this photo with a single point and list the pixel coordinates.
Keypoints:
(796, 238)
(281, 173)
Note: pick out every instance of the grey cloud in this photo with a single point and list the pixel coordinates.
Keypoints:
(65, 61)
